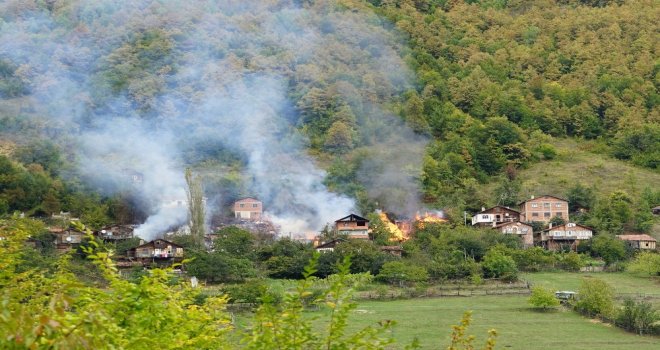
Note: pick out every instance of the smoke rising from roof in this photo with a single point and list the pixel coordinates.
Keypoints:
(214, 74)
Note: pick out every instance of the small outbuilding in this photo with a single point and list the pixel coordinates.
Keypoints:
(639, 241)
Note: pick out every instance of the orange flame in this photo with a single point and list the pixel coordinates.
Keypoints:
(397, 234)
(428, 218)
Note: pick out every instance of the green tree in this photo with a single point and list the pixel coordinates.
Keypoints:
(339, 138)
(399, 272)
(647, 263)
(580, 197)
(195, 196)
(595, 297)
(609, 248)
(542, 298)
(235, 242)
(498, 265)
(638, 317)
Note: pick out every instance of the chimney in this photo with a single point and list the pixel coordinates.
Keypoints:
(532, 196)
(550, 225)
(141, 241)
(483, 209)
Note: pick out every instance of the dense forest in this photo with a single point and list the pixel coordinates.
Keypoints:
(318, 108)
(484, 89)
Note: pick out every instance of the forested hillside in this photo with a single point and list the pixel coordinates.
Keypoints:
(485, 88)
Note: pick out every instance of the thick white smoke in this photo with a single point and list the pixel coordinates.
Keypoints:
(222, 78)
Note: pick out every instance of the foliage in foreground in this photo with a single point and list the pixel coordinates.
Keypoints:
(44, 310)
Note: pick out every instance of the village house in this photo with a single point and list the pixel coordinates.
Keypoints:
(353, 226)
(133, 176)
(495, 216)
(157, 249)
(565, 237)
(656, 210)
(524, 231)
(248, 209)
(115, 233)
(639, 241)
(543, 209)
(66, 238)
(329, 246)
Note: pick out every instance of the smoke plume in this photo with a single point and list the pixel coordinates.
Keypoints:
(145, 86)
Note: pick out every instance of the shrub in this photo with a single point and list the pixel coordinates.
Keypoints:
(498, 265)
(595, 297)
(646, 263)
(249, 292)
(637, 317)
(401, 273)
(543, 298)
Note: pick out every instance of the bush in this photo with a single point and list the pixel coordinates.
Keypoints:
(646, 263)
(543, 298)
(249, 292)
(637, 317)
(595, 297)
(498, 265)
(401, 273)
(571, 261)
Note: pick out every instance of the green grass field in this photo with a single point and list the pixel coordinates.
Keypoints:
(623, 283)
(518, 326)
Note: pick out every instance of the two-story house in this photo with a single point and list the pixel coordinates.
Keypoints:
(521, 229)
(565, 237)
(248, 209)
(543, 209)
(495, 216)
(353, 226)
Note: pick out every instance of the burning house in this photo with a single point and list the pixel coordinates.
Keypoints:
(429, 217)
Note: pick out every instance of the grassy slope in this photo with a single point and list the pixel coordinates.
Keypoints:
(576, 162)
(587, 163)
(518, 326)
(622, 282)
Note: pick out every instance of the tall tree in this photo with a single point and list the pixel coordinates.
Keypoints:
(195, 206)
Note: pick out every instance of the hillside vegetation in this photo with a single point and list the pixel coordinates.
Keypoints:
(503, 92)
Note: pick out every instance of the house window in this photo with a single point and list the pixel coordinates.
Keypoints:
(241, 205)
(484, 216)
(535, 205)
(362, 223)
(255, 205)
(546, 214)
(559, 214)
(535, 215)
(558, 205)
(546, 205)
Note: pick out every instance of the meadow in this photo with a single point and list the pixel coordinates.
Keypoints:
(518, 326)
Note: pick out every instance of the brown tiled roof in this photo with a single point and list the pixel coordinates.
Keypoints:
(640, 237)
